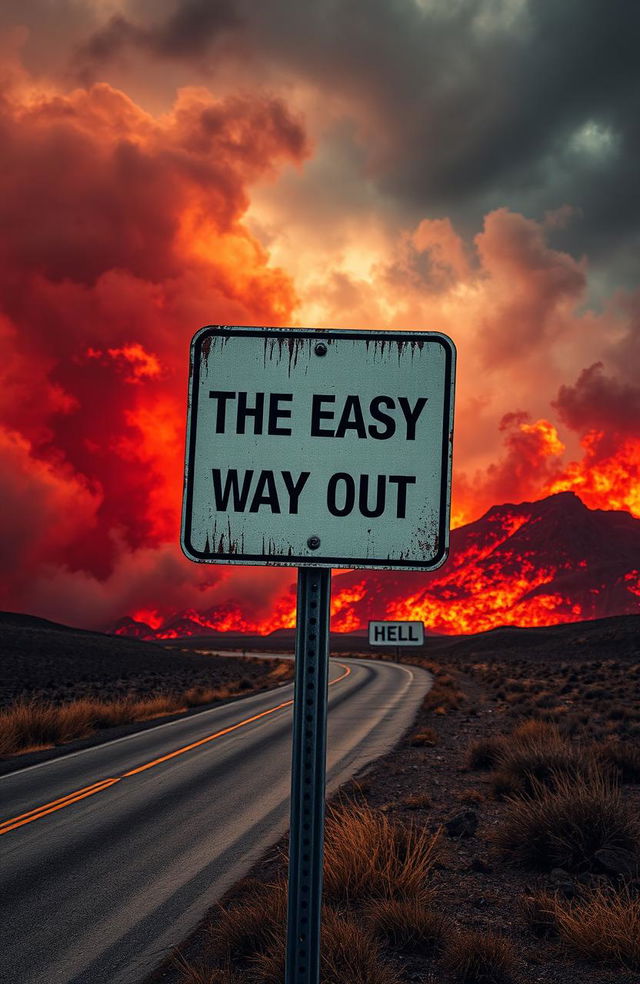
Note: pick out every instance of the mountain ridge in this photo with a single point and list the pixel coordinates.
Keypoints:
(525, 564)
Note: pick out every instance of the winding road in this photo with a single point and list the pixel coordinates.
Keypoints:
(111, 855)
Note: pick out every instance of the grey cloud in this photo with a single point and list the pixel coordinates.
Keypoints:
(187, 31)
(461, 107)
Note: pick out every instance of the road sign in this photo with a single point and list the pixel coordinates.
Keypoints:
(319, 448)
(396, 633)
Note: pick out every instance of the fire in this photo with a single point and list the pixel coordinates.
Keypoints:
(610, 482)
(471, 599)
(549, 442)
(344, 618)
(97, 312)
(150, 616)
(536, 564)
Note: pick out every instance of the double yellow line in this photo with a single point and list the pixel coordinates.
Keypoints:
(98, 787)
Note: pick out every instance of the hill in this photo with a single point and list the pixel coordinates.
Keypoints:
(532, 564)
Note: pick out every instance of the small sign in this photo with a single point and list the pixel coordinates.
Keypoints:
(319, 448)
(396, 633)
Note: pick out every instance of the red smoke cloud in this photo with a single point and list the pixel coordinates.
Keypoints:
(124, 234)
(125, 231)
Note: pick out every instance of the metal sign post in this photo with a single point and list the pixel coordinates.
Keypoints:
(318, 450)
(306, 838)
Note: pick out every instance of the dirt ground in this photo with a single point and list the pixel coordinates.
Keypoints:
(586, 679)
(45, 662)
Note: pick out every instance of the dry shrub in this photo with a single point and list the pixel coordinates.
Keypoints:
(250, 926)
(563, 826)
(33, 724)
(416, 801)
(535, 730)
(622, 758)
(536, 756)
(349, 955)
(407, 923)
(197, 696)
(444, 695)
(157, 707)
(427, 737)
(538, 911)
(603, 926)
(369, 855)
(29, 724)
(202, 974)
(473, 797)
(483, 753)
(479, 957)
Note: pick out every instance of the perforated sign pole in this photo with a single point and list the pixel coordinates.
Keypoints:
(308, 768)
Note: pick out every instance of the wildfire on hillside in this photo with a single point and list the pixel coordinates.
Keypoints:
(530, 565)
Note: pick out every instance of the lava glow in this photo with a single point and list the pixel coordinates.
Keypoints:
(611, 482)
(529, 565)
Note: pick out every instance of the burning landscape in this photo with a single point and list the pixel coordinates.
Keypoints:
(133, 217)
(532, 564)
(465, 168)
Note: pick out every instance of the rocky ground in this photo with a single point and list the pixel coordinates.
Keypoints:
(583, 680)
(44, 661)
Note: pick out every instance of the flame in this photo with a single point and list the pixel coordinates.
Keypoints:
(344, 618)
(472, 599)
(610, 482)
(633, 582)
(548, 441)
(496, 575)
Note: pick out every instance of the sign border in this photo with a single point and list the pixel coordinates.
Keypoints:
(325, 334)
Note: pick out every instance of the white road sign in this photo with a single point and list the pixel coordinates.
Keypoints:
(396, 633)
(319, 448)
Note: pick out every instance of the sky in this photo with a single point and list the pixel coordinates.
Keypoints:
(462, 166)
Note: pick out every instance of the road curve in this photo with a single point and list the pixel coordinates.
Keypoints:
(110, 856)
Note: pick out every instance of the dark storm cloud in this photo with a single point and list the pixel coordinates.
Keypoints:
(461, 107)
(187, 31)
(599, 402)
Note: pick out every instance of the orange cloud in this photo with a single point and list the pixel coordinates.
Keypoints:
(124, 234)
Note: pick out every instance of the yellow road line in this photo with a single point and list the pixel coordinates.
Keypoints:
(48, 808)
(77, 792)
(80, 794)
(219, 734)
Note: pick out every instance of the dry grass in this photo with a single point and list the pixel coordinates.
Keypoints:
(445, 695)
(428, 738)
(241, 931)
(201, 974)
(622, 758)
(603, 926)
(484, 753)
(416, 801)
(563, 826)
(478, 957)
(349, 955)
(538, 911)
(472, 797)
(368, 855)
(535, 756)
(34, 724)
(407, 923)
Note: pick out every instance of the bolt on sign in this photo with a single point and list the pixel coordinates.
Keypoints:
(398, 633)
(319, 448)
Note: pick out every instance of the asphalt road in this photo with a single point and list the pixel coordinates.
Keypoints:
(110, 856)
